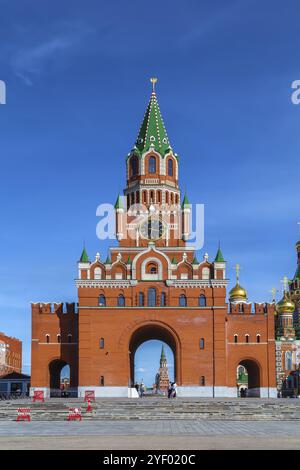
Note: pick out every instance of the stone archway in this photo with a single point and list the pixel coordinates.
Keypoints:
(254, 376)
(155, 331)
(55, 368)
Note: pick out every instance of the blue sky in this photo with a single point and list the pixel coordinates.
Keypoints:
(77, 76)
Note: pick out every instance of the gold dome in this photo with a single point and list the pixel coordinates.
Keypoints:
(285, 305)
(238, 293)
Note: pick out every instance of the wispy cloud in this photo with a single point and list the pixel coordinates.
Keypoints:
(29, 62)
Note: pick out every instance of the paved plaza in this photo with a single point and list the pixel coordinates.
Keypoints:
(183, 434)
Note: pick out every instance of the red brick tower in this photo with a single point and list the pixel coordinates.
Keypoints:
(152, 286)
(163, 379)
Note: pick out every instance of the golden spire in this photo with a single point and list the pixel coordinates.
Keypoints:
(285, 282)
(273, 291)
(238, 293)
(153, 80)
(237, 270)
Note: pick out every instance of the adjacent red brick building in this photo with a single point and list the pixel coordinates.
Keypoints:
(152, 286)
(10, 354)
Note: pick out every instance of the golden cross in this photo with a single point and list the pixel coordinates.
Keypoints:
(285, 282)
(273, 292)
(153, 80)
(237, 269)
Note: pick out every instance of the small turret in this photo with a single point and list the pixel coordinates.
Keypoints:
(219, 265)
(119, 208)
(186, 215)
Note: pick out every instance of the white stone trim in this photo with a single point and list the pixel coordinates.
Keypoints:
(103, 283)
(196, 283)
(46, 391)
(117, 392)
(225, 392)
(195, 391)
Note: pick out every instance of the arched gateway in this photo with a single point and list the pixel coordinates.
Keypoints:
(153, 286)
(155, 331)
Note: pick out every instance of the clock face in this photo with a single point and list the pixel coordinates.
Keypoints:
(152, 229)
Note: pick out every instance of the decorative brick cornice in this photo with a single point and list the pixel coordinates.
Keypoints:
(188, 283)
(102, 283)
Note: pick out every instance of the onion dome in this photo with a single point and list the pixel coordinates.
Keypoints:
(238, 294)
(285, 305)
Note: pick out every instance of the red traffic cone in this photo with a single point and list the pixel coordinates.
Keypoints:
(89, 408)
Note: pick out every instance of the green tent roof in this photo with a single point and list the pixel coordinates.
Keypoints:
(163, 354)
(84, 256)
(152, 132)
(185, 202)
(119, 203)
(219, 256)
(174, 260)
(195, 261)
(108, 260)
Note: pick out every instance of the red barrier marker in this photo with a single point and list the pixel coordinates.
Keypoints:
(89, 407)
(23, 414)
(89, 395)
(75, 414)
(38, 395)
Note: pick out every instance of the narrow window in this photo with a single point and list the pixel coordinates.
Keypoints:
(69, 338)
(58, 338)
(202, 380)
(163, 299)
(202, 343)
(235, 338)
(141, 299)
(170, 167)
(258, 338)
(97, 273)
(202, 301)
(102, 380)
(47, 338)
(182, 301)
(151, 297)
(101, 343)
(134, 166)
(152, 165)
(121, 301)
(247, 338)
(102, 301)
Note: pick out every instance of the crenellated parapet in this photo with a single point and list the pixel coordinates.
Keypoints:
(251, 309)
(58, 308)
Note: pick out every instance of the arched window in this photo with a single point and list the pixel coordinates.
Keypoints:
(170, 167)
(102, 380)
(47, 338)
(205, 273)
(58, 338)
(102, 301)
(258, 338)
(202, 301)
(141, 299)
(163, 299)
(101, 343)
(121, 301)
(202, 380)
(134, 166)
(151, 297)
(69, 338)
(247, 338)
(97, 273)
(152, 165)
(235, 338)
(202, 343)
(182, 301)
